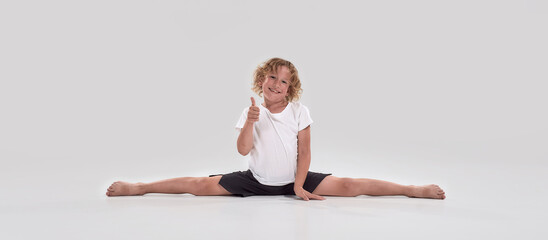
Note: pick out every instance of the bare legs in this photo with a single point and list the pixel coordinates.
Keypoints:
(336, 186)
(200, 186)
(330, 186)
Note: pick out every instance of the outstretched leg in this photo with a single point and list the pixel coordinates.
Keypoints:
(351, 187)
(199, 186)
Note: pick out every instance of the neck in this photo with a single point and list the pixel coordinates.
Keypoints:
(270, 104)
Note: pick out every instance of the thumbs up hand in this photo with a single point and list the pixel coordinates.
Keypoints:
(253, 113)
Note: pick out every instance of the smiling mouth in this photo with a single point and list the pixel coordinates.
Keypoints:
(273, 90)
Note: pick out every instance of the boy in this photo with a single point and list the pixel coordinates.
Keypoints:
(277, 135)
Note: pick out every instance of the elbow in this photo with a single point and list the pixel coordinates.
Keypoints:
(243, 148)
(305, 155)
(244, 153)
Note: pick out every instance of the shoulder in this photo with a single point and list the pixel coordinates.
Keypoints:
(298, 107)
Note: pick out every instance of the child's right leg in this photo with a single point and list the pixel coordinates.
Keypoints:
(199, 186)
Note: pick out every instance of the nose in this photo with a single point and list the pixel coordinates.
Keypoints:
(278, 84)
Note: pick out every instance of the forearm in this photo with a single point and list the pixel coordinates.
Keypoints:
(245, 139)
(303, 164)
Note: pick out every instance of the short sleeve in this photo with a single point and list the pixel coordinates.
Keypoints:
(304, 118)
(241, 121)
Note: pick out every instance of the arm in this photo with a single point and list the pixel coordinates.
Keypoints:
(245, 139)
(303, 157)
(303, 163)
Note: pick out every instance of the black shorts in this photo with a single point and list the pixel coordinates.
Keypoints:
(243, 184)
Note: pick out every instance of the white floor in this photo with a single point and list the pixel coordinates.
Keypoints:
(482, 203)
(414, 92)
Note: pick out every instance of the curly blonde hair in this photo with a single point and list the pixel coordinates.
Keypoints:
(271, 66)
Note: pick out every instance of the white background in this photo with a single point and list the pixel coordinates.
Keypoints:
(416, 92)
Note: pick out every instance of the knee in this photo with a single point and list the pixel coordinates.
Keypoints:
(350, 187)
(200, 186)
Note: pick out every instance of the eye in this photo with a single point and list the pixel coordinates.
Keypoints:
(284, 82)
(272, 77)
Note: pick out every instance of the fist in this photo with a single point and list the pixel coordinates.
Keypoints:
(253, 113)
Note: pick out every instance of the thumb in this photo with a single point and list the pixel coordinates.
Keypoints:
(252, 101)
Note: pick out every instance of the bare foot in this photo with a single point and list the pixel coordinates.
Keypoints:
(125, 189)
(427, 191)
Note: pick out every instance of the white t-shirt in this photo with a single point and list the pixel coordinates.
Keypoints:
(273, 158)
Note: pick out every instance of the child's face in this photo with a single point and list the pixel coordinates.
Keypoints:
(276, 85)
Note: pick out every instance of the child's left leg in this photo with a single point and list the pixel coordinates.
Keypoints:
(351, 187)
